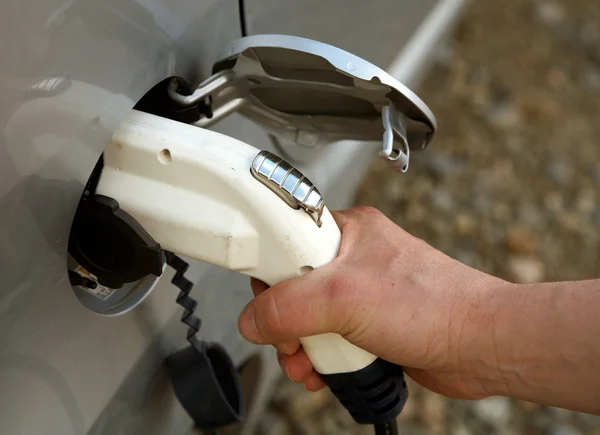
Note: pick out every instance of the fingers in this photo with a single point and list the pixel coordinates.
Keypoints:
(314, 382)
(289, 347)
(299, 369)
(308, 305)
(257, 286)
(286, 347)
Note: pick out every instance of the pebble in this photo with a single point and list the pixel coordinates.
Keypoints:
(305, 403)
(531, 406)
(586, 202)
(496, 411)
(433, 412)
(520, 240)
(504, 116)
(572, 222)
(589, 421)
(394, 191)
(501, 211)
(563, 430)
(415, 212)
(525, 269)
(465, 224)
(554, 202)
(271, 424)
(590, 34)
(530, 214)
(482, 204)
(461, 430)
(559, 172)
(441, 165)
(591, 79)
(550, 13)
(595, 218)
(556, 79)
(441, 200)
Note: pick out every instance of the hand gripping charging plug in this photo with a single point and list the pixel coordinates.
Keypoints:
(218, 200)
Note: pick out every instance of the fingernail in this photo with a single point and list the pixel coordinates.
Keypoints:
(247, 325)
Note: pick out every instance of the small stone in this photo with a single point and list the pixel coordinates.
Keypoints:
(329, 426)
(461, 430)
(588, 421)
(595, 218)
(556, 79)
(530, 406)
(501, 211)
(442, 165)
(504, 116)
(441, 200)
(591, 79)
(586, 202)
(590, 34)
(525, 269)
(561, 414)
(595, 172)
(306, 403)
(559, 172)
(496, 411)
(520, 240)
(572, 222)
(415, 212)
(482, 204)
(554, 202)
(406, 429)
(272, 424)
(563, 429)
(550, 13)
(465, 224)
(433, 413)
(394, 191)
(530, 214)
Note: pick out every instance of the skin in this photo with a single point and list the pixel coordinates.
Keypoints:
(456, 330)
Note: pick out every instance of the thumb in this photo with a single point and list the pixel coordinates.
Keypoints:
(307, 305)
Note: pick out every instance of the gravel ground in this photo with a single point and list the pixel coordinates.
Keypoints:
(509, 186)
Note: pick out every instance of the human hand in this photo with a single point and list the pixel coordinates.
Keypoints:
(392, 295)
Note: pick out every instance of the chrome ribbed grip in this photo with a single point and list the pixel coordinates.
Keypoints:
(288, 183)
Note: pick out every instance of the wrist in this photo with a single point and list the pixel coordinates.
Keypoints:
(481, 341)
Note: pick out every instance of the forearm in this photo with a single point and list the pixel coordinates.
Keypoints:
(545, 343)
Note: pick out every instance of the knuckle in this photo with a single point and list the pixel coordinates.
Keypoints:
(338, 286)
(368, 211)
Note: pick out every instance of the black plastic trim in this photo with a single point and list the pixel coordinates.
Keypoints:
(375, 394)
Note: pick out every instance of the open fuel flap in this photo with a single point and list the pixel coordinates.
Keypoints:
(311, 93)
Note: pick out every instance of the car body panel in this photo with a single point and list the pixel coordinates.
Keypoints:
(373, 30)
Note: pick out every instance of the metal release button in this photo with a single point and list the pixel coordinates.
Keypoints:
(289, 184)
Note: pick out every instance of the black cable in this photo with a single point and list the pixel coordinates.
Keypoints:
(184, 299)
(242, 12)
(388, 428)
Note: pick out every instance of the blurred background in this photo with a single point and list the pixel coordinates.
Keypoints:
(510, 186)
